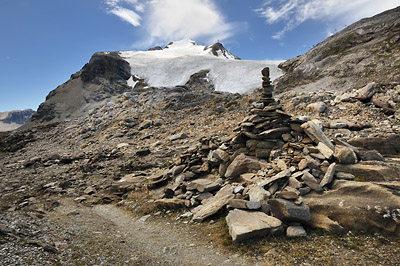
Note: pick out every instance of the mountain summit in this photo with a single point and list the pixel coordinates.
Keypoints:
(110, 74)
(188, 47)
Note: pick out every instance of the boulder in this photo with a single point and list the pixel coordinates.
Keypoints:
(242, 164)
(346, 155)
(363, 206)
(371, 155)
(317, 107)
(213, 205)
(245, 225)
(366, 93)
(288, 211)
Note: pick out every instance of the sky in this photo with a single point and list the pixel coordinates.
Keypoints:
(43, 42)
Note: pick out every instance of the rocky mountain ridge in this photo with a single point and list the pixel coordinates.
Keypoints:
(366, 51)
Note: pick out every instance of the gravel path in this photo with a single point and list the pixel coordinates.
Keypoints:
(106, 234)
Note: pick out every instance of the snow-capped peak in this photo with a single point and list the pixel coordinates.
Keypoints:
(182, 48)
(173, 66)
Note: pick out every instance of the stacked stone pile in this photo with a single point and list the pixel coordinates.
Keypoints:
(262, 171)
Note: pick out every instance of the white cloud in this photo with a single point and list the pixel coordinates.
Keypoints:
(116, 7)
(177, 19)
(127, 15)
(338, 12)
(172, 20)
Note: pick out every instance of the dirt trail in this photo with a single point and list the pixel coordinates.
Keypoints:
(106, 234)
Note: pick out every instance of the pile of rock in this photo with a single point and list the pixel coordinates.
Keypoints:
(260, 173)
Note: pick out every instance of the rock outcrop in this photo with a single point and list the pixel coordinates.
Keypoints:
(368, 50)
(104, 77)
(358, 205)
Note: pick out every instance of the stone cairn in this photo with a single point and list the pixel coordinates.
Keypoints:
(260, 171)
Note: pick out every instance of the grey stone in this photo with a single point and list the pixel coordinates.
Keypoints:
(345, 176)
(316, 134)
(280, 175)
(258, 194)
(215, 204)
(238, 189)
(288, 193)
(346, 155)
(329, 175)
(296, 231)
(288, 211)
(218, 156)
(294, 183)
(325, 150)
(318, 107)
(203, 196)
(242, 164)
(371, 155)
(178, 136)
(310, 181)
(245, 225)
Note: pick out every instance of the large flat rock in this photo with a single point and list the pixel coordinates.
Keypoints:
(213, 205)
(242, 164)
(387, 146)
(371, 171)
(363, 206)
(245, 224)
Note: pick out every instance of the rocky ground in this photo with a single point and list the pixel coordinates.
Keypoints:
(63, 202)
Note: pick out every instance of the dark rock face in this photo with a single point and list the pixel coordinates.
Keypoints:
(18, 117)
(218, 49)
(368, 50)
(102, 78)
(109, 66)
(156, 48)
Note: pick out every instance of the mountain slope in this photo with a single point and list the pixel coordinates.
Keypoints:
(110, 74)
(366, 51)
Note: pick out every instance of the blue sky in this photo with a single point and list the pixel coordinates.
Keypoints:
(43, 42)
